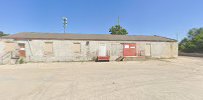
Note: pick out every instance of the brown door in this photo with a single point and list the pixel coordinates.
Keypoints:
(129, 50)
(22, 50)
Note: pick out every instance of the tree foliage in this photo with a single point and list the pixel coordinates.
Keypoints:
(2, 34)
(194, 41)
(118, 30)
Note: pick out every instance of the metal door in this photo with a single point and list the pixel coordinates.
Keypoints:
(129, 50)
(102, 50)
(148, 50)
(22, 50)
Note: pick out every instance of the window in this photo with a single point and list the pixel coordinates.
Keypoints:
(76, 47)
(48, 48)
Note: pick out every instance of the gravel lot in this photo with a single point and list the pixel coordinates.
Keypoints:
(168, 79)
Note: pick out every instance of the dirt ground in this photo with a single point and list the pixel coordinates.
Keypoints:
(168, 79)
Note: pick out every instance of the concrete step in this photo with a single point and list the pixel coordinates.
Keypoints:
(134, 59)
(14, 61)
(120, 58)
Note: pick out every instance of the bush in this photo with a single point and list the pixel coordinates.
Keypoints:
(21, 61)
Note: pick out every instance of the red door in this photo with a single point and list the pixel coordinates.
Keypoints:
(129, 50)
(22, 50)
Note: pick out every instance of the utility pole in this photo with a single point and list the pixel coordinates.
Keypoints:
(118, 20)
(177, 37)
(65, 22)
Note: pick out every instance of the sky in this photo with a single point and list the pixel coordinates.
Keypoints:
(169, 18)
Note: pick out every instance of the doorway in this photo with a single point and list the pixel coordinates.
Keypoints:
(148, 50)
(102, 50)
(129, 49)
(22, 52)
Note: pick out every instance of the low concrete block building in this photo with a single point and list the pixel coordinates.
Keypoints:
(53, 47)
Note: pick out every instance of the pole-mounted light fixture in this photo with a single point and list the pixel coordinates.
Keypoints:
(65, 22)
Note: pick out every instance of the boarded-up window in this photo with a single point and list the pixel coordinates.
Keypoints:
(76, 47)
(116, 49)
(48, 48)
(9, 46)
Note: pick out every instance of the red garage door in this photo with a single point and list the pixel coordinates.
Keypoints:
(129, 49)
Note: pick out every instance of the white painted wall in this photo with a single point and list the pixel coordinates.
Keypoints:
(63, 52)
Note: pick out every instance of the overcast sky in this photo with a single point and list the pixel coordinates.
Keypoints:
(139, 17)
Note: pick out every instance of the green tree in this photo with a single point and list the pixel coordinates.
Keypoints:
(194, 41)
(118, 30)
(2, 34)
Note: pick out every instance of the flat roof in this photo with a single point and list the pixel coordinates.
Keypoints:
(90, 37)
